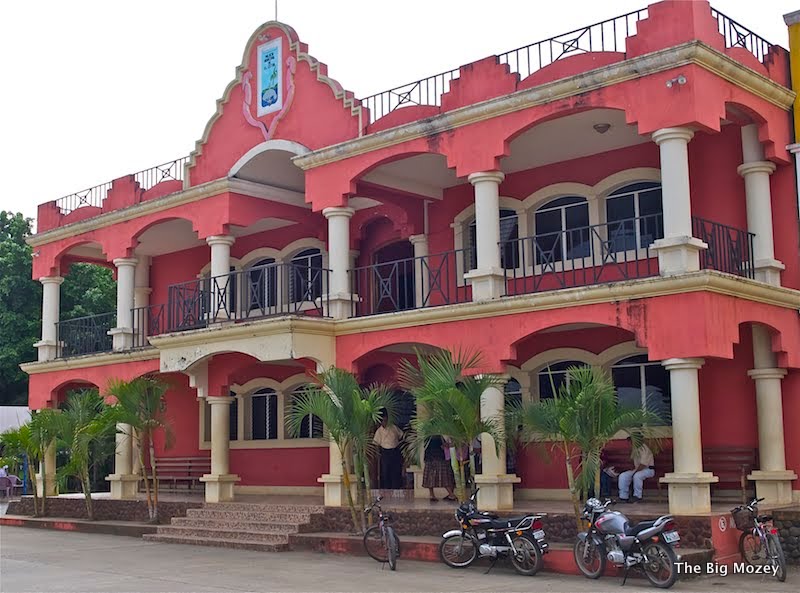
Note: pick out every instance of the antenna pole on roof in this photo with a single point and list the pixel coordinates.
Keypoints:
(276, 10)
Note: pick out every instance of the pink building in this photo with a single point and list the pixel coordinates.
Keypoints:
(621, 195)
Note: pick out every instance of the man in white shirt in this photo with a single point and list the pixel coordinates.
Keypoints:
(643, 468)
(4, 471)
(388, 437)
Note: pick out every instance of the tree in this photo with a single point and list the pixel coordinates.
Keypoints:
(20, 307)
(84, 422)
(88, 289)
(349, 414)
(142, 405)
(579, 421)
(452, 400)
(17, 444)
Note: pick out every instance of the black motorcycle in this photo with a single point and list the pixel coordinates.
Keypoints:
(485, 535)
(612, 538)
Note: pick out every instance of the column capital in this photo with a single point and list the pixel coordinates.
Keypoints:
(495, 176)
(121, 262)
(665, 134)
(334, 211)
(414, 239)
(776, 373)
(51, 279)
(675, 364)
(220, 240)
(220, 399)
(745, 169)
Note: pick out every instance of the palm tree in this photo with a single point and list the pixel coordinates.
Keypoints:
(141, 404)
(43, 433)
(18, 442)
(579, 421)
(349, 414)
(84, 422)
(452, 400)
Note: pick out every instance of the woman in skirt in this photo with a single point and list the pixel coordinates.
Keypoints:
(438, 473)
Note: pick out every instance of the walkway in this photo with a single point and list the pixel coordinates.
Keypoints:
(35, 560)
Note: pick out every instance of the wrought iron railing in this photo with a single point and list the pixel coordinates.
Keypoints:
(730, 250)
(412, 283)
(85, 335)
(737, 35)
(298, 287)
(609, 35)
(594, 254)
(148, 178)
(148, 321)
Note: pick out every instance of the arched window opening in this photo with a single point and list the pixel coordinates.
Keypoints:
(640, 382)
(264, 417)
(509, 243)
(562, 230)
(554, 375)
(634, 216)
(305, 276)
(311, 426)
(262, 285)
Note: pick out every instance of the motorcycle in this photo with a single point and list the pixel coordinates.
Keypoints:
(485, 535)
(611, 538)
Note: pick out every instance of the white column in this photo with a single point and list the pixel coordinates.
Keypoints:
(51, 310)
(339, 298)
(141, 300)
(488, 280)
(773, 480)
(219, 483)
(124, 484)
(221, 307)
(122, 334)
(420, 243)
(756, 171)
(496, 486)
(678, 251)
(689, 485)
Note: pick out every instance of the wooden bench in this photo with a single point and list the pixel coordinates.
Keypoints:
(620, 458)
(176, 470)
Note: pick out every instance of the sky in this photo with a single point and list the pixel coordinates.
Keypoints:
(94, 90)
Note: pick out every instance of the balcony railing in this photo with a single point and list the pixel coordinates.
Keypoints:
(609, 35)
(298, 287)
(412, 283)
(148, 178)
(148, 321)
(730, 250)
(85, 335)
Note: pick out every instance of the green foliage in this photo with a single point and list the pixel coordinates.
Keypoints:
(87, 290)
(451, 399)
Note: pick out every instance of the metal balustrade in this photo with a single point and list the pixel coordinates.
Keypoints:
(148, 321)
(606, 36)
(411, 283)
(147, 179)
(85, 335)
(730, 250)
(297, 287)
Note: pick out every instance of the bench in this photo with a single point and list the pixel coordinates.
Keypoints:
(620, 458)
(176, 470)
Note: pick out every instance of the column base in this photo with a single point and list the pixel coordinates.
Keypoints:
(774, 486)
(768, 271)
(52, 485)
(418, 471)
(124, 486)
(496, 492)
(334, 491)
(689, 494)
(678, 255)
(48, 349)
(219, 488)
(122, 338)
(486, 284)
(340, 305)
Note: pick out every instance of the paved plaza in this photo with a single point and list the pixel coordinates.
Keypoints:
(39, 560)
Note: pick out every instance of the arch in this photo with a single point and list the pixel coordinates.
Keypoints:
(462, 220)
(295, 247)
(539, 361)
(558, 190)
(588, 102)
(396, 215)
(620, 179)
(614, 354)
(291, 146)
(253, 257)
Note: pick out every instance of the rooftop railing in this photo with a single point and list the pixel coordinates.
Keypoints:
(148, 178)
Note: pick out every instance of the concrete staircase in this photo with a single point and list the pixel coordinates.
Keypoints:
(243, 526)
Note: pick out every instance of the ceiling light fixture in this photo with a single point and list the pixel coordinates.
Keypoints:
(601, 128)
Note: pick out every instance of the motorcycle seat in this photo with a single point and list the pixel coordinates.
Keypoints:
(639, 527)
(506, 523)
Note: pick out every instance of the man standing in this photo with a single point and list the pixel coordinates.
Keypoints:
(643, 468)
(387, 437)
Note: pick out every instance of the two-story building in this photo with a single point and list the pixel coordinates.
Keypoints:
(621, 195)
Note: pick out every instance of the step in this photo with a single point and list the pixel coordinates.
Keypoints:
(234, 525)
(249, 515)
(234, 544)
(264, 507)
(250, 536)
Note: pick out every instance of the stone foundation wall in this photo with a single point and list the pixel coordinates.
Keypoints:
(788, 525)
(104, 509)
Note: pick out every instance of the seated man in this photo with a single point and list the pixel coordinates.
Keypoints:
(643, 468)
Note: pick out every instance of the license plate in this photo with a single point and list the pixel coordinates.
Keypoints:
(671, 537)
(538, 534)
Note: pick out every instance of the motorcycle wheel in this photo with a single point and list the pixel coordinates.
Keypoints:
(458, 551)
(776, 556)
(590, 558)
(659, 564)
(526, 555)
